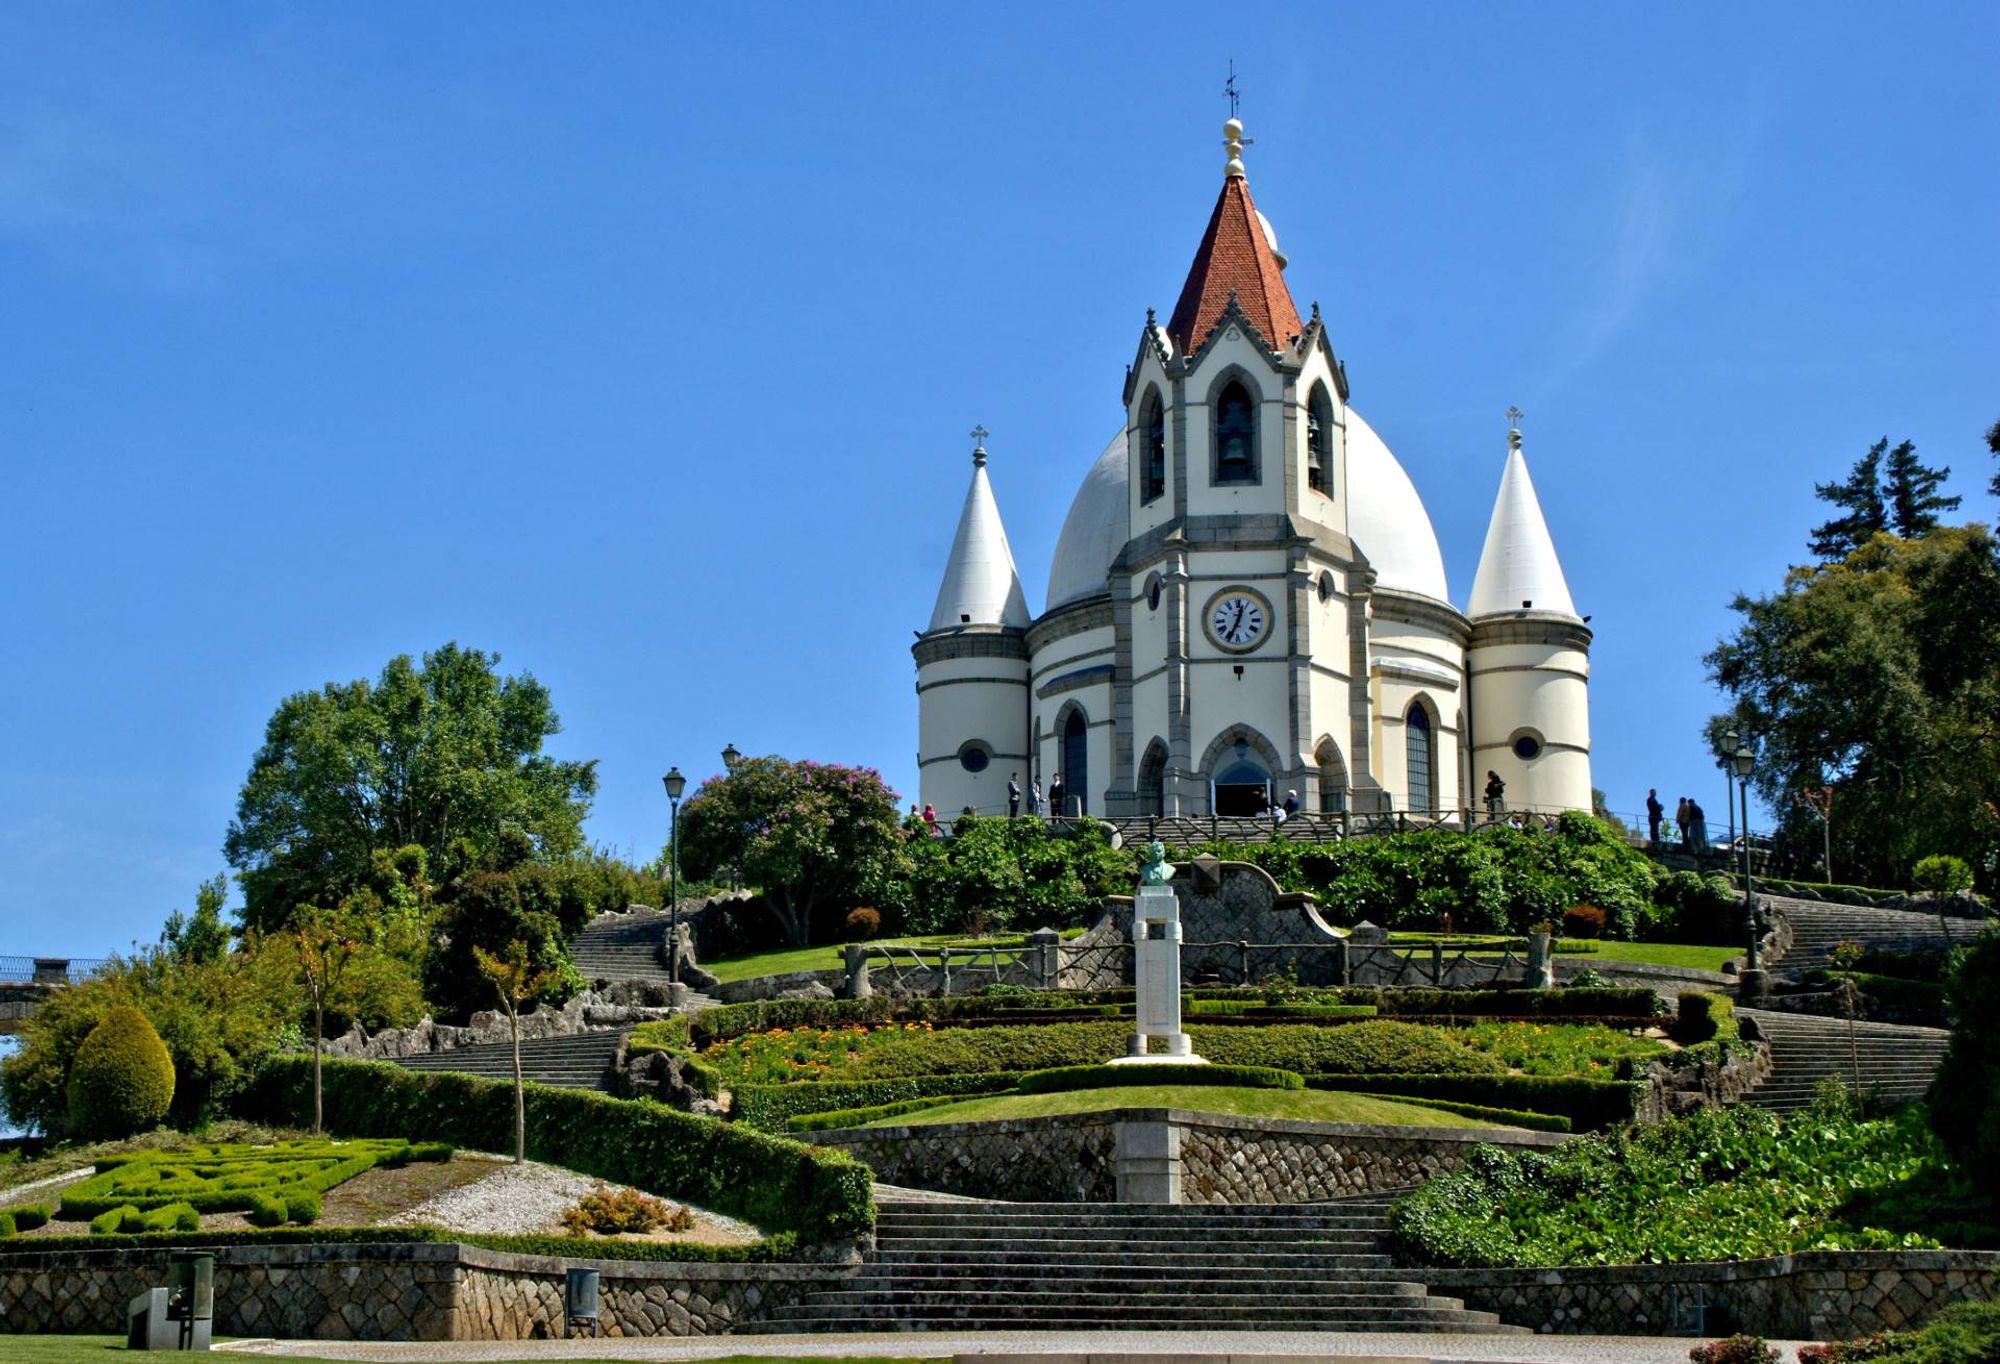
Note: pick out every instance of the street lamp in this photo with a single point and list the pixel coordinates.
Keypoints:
(730, 757)
(675, 784)
(1741, 751)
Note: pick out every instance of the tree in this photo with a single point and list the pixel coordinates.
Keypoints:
(1860, 498)
(1965, 1096)
(1911, 492)
(1880, 677)
(516, 981)
(203, 938)
(811, 834)
(443, 756)
(326, 945)
(489, 911)
(1993, 444)
(123, 1080)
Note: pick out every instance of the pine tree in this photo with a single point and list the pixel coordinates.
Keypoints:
(1911, 491)
(1993, 444)
(1861, 498)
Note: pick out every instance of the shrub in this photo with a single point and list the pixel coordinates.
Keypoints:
(302, 1206)
(1583, 921)
(1704, 1017)
(115, 1220)
(861, 1117)
(1588, 979)
(1965, 1095)
(1163, 1073)
(8, 1226)
(28, 1216)
(611, 1212)
(1606, 1002)
(122, 1080)
(267, 1210)
(776, 1184)
(1734, 1350)
(861, 925)
(1353, 1048)
(222, 1178)
(1690, 908)
(1942, 874)
(772, 1108)
(1963, 1333)
(173, 1217)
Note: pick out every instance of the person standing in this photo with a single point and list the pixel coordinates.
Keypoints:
(1056, 794)
(1496, 794)
(1291, 803)
(1034, 797)
(1698, 825)
(1685, 819)
(1655, 812)
(930, 821)
(1013, 794)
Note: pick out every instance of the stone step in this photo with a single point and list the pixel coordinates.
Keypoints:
(1135, 1314)
(1178, 1266)
(1319, 1296)
(1236, 1219)
(1294, 1256)
(573, 1061)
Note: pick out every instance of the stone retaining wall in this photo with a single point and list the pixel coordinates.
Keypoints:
(407, 1291)
(1819, 1295)
(1200, 1158)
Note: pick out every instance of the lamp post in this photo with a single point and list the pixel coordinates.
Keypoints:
(675, 784)
(1741, 751)
(730, 757)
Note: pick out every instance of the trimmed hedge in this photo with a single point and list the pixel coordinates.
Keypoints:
(770, 1108)
(1703, 1017)
(1513, 1117)
(1253, 1008)
(1590, 1105)
(780, 1247)
(255, 1180)
(775, 1184)
(861, 1117)
(1377, 1046)
(1610, 1002)
(26, 1217)
(1159, 1073)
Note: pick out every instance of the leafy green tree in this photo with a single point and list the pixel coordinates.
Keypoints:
(444, 756)
(122, 1080)
(811, 834)
(201, 938)
(1000, 873)
(1993, 444)
(326, 945)
(1880, 676)
(1864, 514)
(1965, 1096)
(1911, 492)
(489, 911)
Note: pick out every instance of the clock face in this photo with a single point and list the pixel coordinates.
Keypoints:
(1238, 619)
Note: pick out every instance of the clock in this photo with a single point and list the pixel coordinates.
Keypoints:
(1237, 619)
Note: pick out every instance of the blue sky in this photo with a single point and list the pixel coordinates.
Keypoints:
(638, 343)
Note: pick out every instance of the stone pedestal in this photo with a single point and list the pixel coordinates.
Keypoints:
(1156, 973)
(1541, 965)
(1146, 1160)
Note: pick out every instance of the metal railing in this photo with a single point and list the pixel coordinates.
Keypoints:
(48, 970)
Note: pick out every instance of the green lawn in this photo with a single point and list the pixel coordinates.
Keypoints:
(1311, 1105)
(99, 1349)
(828, 956)
(1660, 954)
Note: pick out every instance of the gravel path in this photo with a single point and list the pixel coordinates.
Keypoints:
(526, 1199)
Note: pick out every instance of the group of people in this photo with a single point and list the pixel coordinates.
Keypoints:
(1689, 818)
(1033, 794)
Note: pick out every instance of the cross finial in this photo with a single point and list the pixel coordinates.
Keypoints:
(1513, 416)
(1229, 88)
(979, 435)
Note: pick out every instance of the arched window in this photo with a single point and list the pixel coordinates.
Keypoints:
(1319, 442)
(1332, 778)
(1075, 763)
(1153, 780)
(1235, 435)
(1422, 759)
(1153, 447)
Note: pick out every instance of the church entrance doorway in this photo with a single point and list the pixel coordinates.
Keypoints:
(1075, 763)
(1241, 789)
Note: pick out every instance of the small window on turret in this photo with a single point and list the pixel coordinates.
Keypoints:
(1235, 436)
(1153, 435)
(1319, 442)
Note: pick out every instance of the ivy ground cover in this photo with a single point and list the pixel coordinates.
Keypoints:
(1718, 1184)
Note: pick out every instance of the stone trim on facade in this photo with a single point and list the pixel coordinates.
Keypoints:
(971, 641)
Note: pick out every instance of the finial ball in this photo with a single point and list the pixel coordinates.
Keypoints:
(1233, 129)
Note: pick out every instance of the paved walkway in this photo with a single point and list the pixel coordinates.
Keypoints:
(1050, 1347)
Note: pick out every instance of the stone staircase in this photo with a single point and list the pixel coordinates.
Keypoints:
(615, 947)
(577, 1061)
(1895, 1062)
(1817, 928)
(976, 1266)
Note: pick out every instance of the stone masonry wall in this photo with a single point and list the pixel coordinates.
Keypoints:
(1820, 1295)
(411, 1291)
(1075, 1159)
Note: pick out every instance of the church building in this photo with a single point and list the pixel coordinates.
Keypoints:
(1248, 599)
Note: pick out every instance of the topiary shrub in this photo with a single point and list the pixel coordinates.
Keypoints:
(1583, 921)
(1157, 1073)
(1942, 874)
(1735, 1350)
(1965, 1096)
(302, 1206)
(122, 1080)
(266, 1210)
(861, 925)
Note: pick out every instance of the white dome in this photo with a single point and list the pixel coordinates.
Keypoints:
(1386, 519)
(1097, 527)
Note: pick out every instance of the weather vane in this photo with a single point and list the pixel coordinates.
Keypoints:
(1229, 87)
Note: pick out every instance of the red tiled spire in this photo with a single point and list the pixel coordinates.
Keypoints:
(1234, 257)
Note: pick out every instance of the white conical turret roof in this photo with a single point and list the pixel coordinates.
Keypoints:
(1518, 570)
(980, 585)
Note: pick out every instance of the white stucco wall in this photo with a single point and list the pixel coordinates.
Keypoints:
(1539, 689)
(965, 699)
